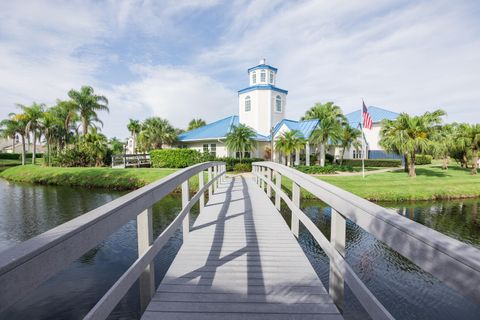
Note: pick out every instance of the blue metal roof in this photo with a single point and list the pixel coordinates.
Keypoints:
(305, 127)
(263, 87)
(377, 114)
(262, 66)
(215, 130)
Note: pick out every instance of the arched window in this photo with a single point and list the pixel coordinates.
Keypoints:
(248, 104)
(263, 76)
(278, 104)
(254, 77)
(271, 77)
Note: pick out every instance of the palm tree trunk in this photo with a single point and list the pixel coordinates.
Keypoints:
(23, 150)
(411, 168)
(405, 162)
(474, 160)
(34, 146)
(322, 155)
(85, 126)
(342, 155)
(289, 160)
(464, 160)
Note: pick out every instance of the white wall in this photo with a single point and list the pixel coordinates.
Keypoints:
(221, 148)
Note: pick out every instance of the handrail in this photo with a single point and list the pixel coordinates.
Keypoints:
(455, 263)
(30, 263)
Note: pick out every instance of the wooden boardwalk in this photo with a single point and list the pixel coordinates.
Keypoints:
(240, 261)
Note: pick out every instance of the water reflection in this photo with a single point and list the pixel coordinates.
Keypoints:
(28, 210)
(402, 287)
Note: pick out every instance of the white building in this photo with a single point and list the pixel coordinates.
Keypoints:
(262, 107)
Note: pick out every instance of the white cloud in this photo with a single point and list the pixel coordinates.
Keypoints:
(175, 94)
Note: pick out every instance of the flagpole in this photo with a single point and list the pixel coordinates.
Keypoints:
(363, 142)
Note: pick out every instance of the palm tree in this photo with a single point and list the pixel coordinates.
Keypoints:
(196, 123)
(443, 143)
(462, 143)
(87, 104)
(474, 136)
(9, 129)
(289, 142)
(33, 114)
(241, 139)
(65, 112)
(349, 138)
(20, 121)
(329, 128)
(96, 144)
(134, 127)
(409, 135)
(155, 133)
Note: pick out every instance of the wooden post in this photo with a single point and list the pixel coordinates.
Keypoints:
(145, 240)
(214, 176)
(210, 188)
(296, 200)
(262, 174)
(201, 184)
(269, 177)
(278, 184)
(337, 239)
(185, 200)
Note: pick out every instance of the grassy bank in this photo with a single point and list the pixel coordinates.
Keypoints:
(114, 179)
(431, 183)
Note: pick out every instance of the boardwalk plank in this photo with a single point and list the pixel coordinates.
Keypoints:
(240, 261)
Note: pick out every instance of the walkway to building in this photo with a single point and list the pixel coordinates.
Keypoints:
(241, 261)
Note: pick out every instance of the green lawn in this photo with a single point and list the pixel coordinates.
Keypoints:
(118, 179)
(431, 183)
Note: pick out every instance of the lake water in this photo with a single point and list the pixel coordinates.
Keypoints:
(406, 291)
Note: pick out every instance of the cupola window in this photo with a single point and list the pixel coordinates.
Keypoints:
(278, 104)
(271, 77)
(254, 77)
(248, 104)
(263, 76)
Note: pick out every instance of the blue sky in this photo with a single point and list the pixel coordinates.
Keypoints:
(184, 59)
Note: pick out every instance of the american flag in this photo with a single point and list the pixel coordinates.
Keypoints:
(367, 121)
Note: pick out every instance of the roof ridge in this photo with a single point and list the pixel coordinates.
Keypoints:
(208, 124)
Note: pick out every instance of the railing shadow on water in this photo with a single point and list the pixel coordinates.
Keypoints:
(451, 261)
(29, 264)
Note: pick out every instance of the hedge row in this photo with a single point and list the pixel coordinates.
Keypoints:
(232, 162)
(423, 159)
(323, 170)
(18, 156)
(373, 162)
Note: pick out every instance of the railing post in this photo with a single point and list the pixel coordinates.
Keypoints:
(262, 183)
(337, 239)
(185, 200)
(210, 187)
(278, 184)
(296, 201)
(201, 184)
(145, 240)
(214, 176)
(269, 177)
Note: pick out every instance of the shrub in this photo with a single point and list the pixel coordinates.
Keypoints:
(76, 157)
(329, 158)
(242, 167)
(373, 162)
(231, 162)
(423, 159)
(18, 156)
(313, 158)
(323, 170)
(176, 158)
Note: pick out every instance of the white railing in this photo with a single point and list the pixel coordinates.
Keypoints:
(453, 262)
(130, 160)
(27, 265)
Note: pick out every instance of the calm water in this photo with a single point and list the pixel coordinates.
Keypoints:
(406, 291)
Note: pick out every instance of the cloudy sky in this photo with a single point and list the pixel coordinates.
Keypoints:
(182, 59)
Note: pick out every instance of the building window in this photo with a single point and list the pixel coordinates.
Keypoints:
(213, 149)
(357, 154)
(246, 155)
(278, 104)
(271, 77)
(254, 77)
(205, 148)
(263, 76)
(248, 104)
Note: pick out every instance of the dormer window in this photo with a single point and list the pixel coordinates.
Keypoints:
(271, 77)
(278, 104)
(263, 76)
(248, 104)
(254, 77)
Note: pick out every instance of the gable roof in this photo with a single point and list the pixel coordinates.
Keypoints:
(305, 127)
(377, 114)
(215, 130)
